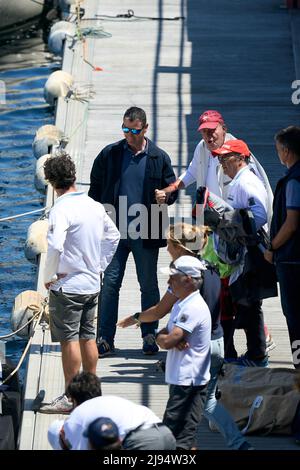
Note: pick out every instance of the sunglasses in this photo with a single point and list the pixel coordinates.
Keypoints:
(172, 266)
(133, 131)
(227, 157)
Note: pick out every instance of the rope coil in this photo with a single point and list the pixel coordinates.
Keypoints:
(37, 316)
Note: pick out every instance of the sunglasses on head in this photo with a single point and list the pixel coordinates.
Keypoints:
(133, 131)
(172, 266)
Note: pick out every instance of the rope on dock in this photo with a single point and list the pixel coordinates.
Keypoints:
(38, 315)
(131, 14)
(35, 315)
(4, 219)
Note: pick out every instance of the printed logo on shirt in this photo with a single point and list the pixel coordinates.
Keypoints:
(183, 318)
(251, 201)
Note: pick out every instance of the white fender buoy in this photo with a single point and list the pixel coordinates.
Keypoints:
(26, 304)
(36, 241)
(45, 137)
(40, 181)
(58, 85)
(58, 34)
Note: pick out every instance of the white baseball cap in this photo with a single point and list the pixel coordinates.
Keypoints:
(189, 265)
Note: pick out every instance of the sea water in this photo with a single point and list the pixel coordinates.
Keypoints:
(25, 65)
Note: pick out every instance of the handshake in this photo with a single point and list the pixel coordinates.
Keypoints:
(160, 196)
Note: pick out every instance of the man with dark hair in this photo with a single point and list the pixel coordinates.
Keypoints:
(82, 240)
(284, 250)
(126, 174)
(138, 427)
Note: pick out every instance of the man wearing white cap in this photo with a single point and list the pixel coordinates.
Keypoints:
(187, 340)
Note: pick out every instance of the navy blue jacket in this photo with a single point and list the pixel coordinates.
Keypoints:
(290, 251)
(106, 176)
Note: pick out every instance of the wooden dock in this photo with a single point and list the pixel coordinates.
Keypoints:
(236, 57)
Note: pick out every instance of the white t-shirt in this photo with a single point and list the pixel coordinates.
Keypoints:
(190, 366)
(246, 191)
(126, 414)
(82, 240)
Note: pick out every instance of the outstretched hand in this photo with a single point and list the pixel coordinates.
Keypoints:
(127, 321)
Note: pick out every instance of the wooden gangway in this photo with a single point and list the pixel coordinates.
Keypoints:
(238, 57)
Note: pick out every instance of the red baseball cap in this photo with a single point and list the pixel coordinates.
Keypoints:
(210, 119)
(233, 146)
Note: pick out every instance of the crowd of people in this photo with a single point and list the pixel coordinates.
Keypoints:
(218, 278)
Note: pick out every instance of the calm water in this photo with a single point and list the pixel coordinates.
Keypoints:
(25, 65)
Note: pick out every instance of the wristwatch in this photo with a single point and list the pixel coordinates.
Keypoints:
(136, 316)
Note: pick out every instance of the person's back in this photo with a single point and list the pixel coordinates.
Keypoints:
(82, 253)
(128, 416)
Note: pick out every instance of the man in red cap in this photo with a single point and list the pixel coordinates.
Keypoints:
(205, 169)
(246, 191)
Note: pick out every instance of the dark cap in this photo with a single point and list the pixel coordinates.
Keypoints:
(102, 433)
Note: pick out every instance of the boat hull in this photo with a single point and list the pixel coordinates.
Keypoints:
(14, 13)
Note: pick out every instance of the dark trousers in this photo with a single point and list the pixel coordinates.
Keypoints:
(289, 281)
(183, 413)
(146, 269)
(251, 318)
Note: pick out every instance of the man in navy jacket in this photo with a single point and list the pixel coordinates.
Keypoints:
(284, 250)
(124, 177)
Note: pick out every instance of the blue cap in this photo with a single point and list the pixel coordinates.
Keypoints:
(102, 432)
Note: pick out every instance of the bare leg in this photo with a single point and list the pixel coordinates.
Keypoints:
(89, 354)
(71, 359)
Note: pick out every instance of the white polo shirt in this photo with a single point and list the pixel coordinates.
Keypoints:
(191, 366)
(82, 240)
(246, 191)
(126, 414)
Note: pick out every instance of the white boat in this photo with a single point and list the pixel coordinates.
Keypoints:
(15, 13)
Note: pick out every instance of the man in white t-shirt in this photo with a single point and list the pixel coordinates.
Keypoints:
(187, 340)
(82, 240)
(139, 428)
